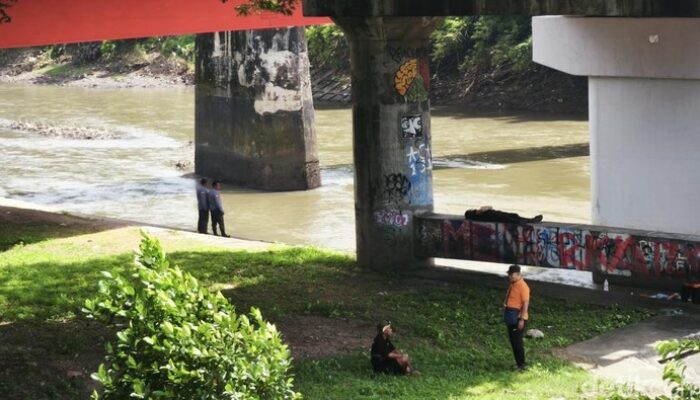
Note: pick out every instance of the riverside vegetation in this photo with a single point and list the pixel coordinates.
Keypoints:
(482, 62)
(453, 332)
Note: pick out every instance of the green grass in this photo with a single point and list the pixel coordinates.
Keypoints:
(64, 71)
(453, 332)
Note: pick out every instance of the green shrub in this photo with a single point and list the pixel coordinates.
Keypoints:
(171, 46)
(482, 44)
(674, 371)
(108, 48)
(328, 47)
(180, 341)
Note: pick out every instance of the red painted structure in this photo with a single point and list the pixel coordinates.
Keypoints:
(26, 23)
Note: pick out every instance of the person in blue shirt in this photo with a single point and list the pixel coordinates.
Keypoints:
(217, 209)
(203, 205)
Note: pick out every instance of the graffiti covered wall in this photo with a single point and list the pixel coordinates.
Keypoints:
(618, 252)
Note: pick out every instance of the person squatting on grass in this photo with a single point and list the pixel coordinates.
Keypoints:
(515, 313)
(203, 206)
(385, 357)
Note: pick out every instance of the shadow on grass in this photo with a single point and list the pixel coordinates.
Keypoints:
(453, 332)
(23, 226)
(50, 360)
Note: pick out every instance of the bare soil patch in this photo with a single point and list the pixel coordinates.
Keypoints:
(23, 218)
(319, 337)
(56, 357)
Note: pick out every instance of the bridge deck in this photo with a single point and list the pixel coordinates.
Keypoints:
(415, 8)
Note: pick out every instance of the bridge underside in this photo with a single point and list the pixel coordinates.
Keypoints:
(437, 8)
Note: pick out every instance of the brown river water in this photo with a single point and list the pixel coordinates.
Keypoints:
(530, 164)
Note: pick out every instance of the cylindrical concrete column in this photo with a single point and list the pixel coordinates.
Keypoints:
(254, 114)
(391, 136)
(644, 100)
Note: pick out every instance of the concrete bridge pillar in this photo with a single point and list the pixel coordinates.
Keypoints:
(391, 135)
(254, 114)
(644, 95)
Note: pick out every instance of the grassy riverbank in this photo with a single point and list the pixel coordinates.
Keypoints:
(324, 305)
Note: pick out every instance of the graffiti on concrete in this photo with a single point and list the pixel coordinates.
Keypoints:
(412, 80)
(271, 65)
(420, 165)
(391, 196)
(391, 217)
(420, 160)
(5, 18)
(396, 189)
(400, 53)
(559, 246)
(412, 126)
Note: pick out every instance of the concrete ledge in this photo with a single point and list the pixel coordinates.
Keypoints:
(632, 257)
(618, 47)
(414, 8)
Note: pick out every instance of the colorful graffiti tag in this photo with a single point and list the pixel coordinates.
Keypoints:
(588, 248)
(392, 217)
(420, 165)
(420, 160)
(412, 80)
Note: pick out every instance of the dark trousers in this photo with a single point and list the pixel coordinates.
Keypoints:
(386, 365)
(516, 342)
(203, 221)
(217, 218)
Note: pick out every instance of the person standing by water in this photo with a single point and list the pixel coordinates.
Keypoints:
(203, 205)
(516, 313)
(217, 209)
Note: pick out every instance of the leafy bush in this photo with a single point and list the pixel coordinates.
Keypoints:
(171, 46)
(84, 53)
(180, 341)
(674, 370)
(459, 44)
(328, 47)
(452, 42)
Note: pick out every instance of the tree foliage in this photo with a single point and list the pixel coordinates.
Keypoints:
(327, 47)
(177, 340)
(482, 43)
(285, 7)
(459, 45)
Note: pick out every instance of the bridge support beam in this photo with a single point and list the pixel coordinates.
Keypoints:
(391, 136)
(644, 86)
(254, 115)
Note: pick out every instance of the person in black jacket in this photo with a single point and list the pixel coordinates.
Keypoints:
(385, 357)
(203, 206)
(488, 214)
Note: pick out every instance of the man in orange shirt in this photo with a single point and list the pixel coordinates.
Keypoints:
(515, 314)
